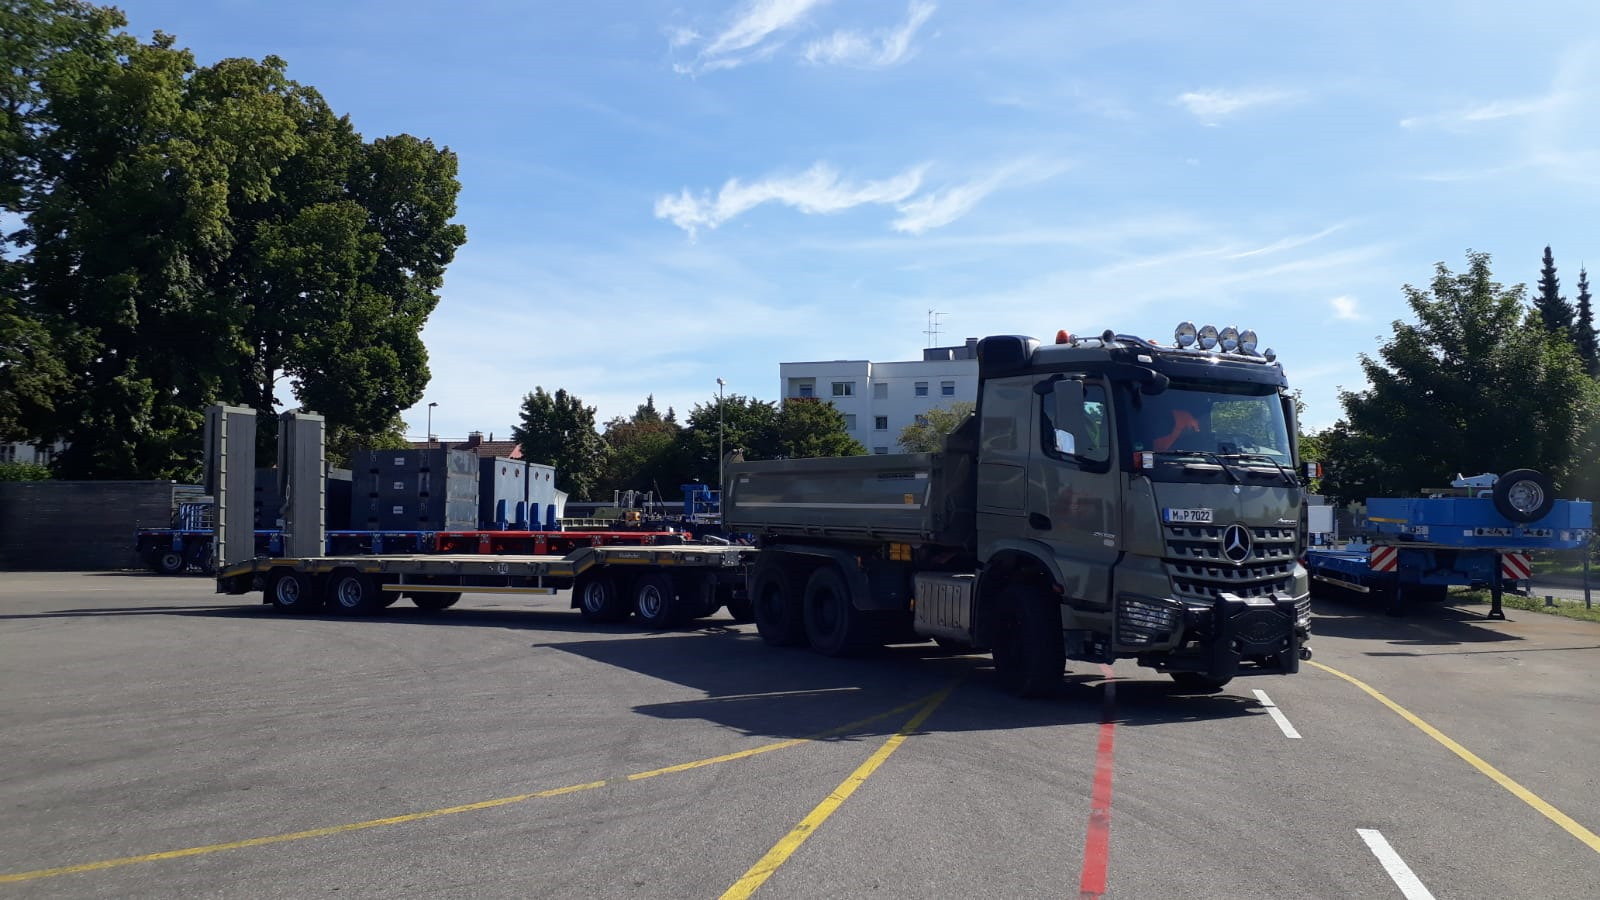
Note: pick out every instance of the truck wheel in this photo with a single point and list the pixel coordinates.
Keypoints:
(599, 600)
(1198, 681)
(170, 562)
(1029, 654)
(832, 626)
(351, 593)
(1523, 495)
(293, 592)
(777, 609)
(740, 609)
(432, 601)
(654, 600)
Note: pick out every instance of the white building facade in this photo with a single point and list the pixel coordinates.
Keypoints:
(878, 400)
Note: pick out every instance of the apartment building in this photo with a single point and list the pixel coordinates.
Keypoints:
(878, 399)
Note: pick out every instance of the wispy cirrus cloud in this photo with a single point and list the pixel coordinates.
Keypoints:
(941, 207)
(1212, 106)
(871, 50)
(747, 37)
(1345, 308)
(818, 190)
(1493, 111)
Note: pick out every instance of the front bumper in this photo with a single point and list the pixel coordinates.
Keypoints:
(1233, 636)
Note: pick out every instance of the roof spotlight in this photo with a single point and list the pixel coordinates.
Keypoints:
(1184, 335)
(1229, 339)
(1247, 341)
(1208, 337)
(1270, 355)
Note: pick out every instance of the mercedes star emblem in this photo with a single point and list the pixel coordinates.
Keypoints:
(1236, 543)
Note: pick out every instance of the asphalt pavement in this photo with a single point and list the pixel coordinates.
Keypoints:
(161, 740)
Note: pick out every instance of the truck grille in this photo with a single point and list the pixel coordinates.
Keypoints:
(1200, 572)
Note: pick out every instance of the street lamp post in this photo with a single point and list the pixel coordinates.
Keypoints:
(430, 423)
(720, 383)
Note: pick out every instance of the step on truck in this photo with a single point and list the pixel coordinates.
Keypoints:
(1110, 498)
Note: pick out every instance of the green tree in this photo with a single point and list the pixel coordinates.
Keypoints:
(23, 471)
(558, 430)
(746, 424)
(1475, 385)
(808, 427)
(926, 434)
(1554, 310)
(1583, 333)
(202, 233)
(642, 453)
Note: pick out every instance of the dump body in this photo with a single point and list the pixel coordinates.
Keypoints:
(912, 498)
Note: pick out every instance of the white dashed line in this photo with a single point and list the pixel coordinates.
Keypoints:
(1277, 715)
(1405, 879)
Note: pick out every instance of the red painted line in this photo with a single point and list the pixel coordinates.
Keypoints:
(1097, 842)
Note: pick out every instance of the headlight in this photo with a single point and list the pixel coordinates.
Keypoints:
(1145, 620)
(1302, 612)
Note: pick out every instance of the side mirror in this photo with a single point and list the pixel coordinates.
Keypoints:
(1157, 384)
(1313, 470)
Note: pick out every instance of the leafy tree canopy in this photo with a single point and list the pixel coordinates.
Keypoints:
(926, 435)
(1474, 385)
(558, 430)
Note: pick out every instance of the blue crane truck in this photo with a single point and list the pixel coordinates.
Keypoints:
(1477, 536)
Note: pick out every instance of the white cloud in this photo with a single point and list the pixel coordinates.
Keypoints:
(854, 48)
(744, 39)
(1490, 112)
(1213, 105)
(1345, 308)
(679, 36)
(818, 190)
(939, 208)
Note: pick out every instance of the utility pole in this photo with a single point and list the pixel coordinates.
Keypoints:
(720, 384)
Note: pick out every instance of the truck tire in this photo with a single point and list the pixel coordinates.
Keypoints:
(832, 625)
(168, 562)
(698, 596)
(293, 591)
(655, 600)
(599, 600)
(740, 609)
(432, 601)
(1523, 495)
(1198, 681)
(777, 609)
(1029, 654)
(351, 593)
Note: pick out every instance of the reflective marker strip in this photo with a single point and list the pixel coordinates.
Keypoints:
(1405, 879)
(1277, 715)
(1384, 559)
(1516, 566)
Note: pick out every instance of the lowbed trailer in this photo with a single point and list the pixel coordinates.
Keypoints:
(663, 585)
(1425, 545)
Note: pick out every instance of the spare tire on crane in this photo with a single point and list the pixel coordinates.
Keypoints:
(1523, 495)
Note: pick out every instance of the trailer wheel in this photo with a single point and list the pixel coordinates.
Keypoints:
(1198, 681)
(832, 625)
(293, 591)
(1029, 655)
(698, 596)
(351, 593)
(655, 601)
(432, 601)
(599, 600)
(777, 609)
(1523, 495)
(740, 609)
(169, 562)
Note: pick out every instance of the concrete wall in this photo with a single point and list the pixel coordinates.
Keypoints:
(78, 525)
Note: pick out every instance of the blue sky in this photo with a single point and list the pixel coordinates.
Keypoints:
(661, 194)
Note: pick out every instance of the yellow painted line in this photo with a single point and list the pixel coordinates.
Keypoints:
(467, 807)
(1566, 822)
(785, 848)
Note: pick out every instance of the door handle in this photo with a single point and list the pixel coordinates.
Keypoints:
(1041, 522)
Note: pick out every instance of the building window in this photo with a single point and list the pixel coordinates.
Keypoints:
(880, 390)
(844, 388)
(880, 451)
(8, 453)
(947, 388)
(807, 389)
(880, 423)
(849, 422)
(922, 389)
(922, 420)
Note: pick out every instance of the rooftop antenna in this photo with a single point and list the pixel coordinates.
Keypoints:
(933, 327)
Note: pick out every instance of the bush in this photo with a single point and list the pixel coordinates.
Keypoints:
(21, 471)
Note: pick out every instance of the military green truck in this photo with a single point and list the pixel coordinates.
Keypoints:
(1110, 498)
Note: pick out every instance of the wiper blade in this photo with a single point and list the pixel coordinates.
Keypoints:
(1205, 454)
(1287, 474)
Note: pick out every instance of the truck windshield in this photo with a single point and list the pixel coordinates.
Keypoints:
(1221, 420)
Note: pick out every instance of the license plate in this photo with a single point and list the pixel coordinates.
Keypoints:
(1187, 516)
